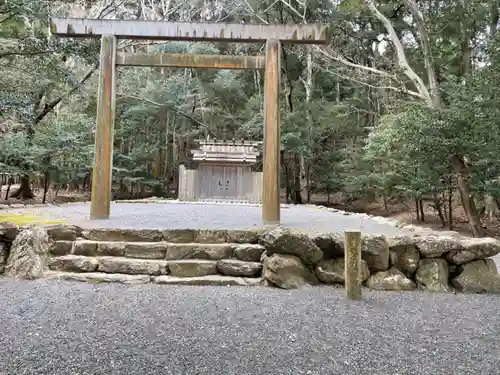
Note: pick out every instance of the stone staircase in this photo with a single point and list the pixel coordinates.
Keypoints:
(187, 257)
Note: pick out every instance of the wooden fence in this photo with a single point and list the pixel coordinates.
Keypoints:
(6, 178)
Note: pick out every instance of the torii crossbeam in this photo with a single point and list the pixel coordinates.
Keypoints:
(194, 32)
(111, 30)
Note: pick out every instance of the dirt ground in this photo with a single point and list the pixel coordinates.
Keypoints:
(406, 212)
(53, 197)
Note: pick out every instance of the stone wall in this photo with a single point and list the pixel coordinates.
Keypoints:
(432, 262)
(8, 233)
(424, 260)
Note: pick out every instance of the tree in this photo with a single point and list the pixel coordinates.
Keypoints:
(37, 78)
(423, 87)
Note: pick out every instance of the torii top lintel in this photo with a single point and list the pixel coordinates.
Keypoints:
(219, 32)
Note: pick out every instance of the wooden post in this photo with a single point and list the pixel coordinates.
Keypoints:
(271, 167)
(103, 162)
(352, 246)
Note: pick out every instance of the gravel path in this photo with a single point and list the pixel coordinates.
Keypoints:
(62, 328)
(210, 216)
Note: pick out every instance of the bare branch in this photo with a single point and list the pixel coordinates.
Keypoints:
(270, 6)
(254, 13)
(401, 56)
(10, 16)
(392, 88)
(289, 6)
(51, 105)
(108, 8)
(428, 59)
(26, 53)
(170, 108)
(338, 57)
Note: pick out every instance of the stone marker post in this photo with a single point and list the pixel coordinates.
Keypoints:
(352, 243)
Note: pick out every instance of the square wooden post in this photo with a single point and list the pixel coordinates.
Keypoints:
(271, 165)
(352, 246)
(103, 159)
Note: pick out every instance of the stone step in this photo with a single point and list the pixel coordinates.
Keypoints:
(215, 280)
(172, 235)
(141, 250)
(132, 266)
(73, 263)
(100, 278)
(192, 268)
(199, 251)
(159, 250)
(176, 268)
(107, 264)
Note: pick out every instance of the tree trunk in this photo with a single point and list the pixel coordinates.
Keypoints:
(463, 176)
(308, 183)
(297, 196)
(288, 188)
(123, 187)
(421, 208)
(450, 209)
(491, 209)
(45, 187)
(495, 15)
(86, 181)
(166, 158)
(11, 181)
(439, 209)
(417, 206)
(24, 192)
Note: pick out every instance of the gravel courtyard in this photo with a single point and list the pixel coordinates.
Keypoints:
(54, 327)
(209, 216)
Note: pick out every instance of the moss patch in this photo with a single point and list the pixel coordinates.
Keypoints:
(26, 219)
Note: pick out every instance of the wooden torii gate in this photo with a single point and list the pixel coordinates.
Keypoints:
(111, 30)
